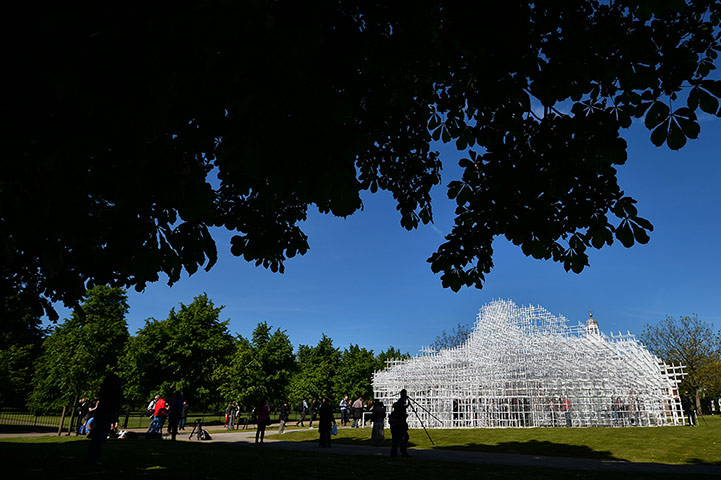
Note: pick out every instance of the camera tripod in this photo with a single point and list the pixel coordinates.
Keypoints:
(410, 404)
(197, 426)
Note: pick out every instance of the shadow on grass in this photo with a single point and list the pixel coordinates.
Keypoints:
(535, 447)
(151, 460)
(28, 429)
(531, 447)
(698, 461)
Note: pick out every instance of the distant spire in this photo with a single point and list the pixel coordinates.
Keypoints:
(592, 325)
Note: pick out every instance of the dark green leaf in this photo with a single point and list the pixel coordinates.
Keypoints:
(690, 128)
(709, 103)
(658, 136)
(676, 138)
(624, 234)
(658, 112)
(640, 234)
(693, 98)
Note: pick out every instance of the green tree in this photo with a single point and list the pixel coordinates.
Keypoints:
(456, 337)
(180, 353)
(690, 342)
(390, 354)
(260, 369)
(317, 369)
(355, 374)
(20, 346)
(297, 105)
(81, 351)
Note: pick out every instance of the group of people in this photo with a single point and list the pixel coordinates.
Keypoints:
(86, 415)
(104, 414)
(357, 408)
(305, 408)
(174, 408)
(323, 411)
(232, 416)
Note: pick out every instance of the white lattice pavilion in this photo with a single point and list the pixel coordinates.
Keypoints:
(524, 367)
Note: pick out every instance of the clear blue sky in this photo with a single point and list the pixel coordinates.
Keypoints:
(365, 279)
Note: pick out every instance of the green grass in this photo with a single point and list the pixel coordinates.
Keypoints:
(63, 458)
(680, 445)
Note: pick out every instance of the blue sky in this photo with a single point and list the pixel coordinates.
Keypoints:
(365, 279)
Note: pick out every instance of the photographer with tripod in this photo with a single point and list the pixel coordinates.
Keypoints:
(399, 425)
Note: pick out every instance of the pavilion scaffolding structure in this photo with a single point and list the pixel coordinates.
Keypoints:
(524, 367)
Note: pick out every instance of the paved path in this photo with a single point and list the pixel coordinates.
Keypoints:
(247, 438)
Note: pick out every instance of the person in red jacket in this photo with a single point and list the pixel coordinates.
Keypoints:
(159, 413)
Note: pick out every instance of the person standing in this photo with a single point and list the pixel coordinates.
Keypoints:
(399, 425)
(303, 409)
(183, 415)
(378, 416)
(228, 415)
(283, 418)
(357, 412)
(566, 409)
(109, 401)
(344, 405)
(159, 415)
(83, 406)
(325, 422)
(151, 412)
(263, 412)
(314, 405)
(234, 414)
(689, 408)
(369, 409)
(175, 410)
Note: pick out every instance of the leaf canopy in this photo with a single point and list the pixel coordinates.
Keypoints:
(135, 133)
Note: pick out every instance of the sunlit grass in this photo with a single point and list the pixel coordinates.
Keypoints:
(681, 445)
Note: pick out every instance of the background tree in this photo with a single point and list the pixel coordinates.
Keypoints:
(317, 369)
(21, 341)
(349, 94)
(180, 353)
(456, 337)
(355, 374)
(391, 353)
(259, 369)
(81, 351)
(691, 342)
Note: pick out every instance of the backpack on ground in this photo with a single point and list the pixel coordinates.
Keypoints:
(204, 435)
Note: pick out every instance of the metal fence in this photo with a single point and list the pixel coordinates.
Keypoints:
(13, 419)
(66, 421)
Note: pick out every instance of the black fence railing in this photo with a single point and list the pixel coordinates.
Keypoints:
(13, 420)
(68, 422)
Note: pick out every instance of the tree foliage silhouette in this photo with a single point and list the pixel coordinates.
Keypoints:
(134, 133)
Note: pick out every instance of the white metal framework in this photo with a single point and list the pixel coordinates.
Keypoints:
(524, 367)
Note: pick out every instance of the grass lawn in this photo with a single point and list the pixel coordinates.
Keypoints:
(63, 457)
(681, 445)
